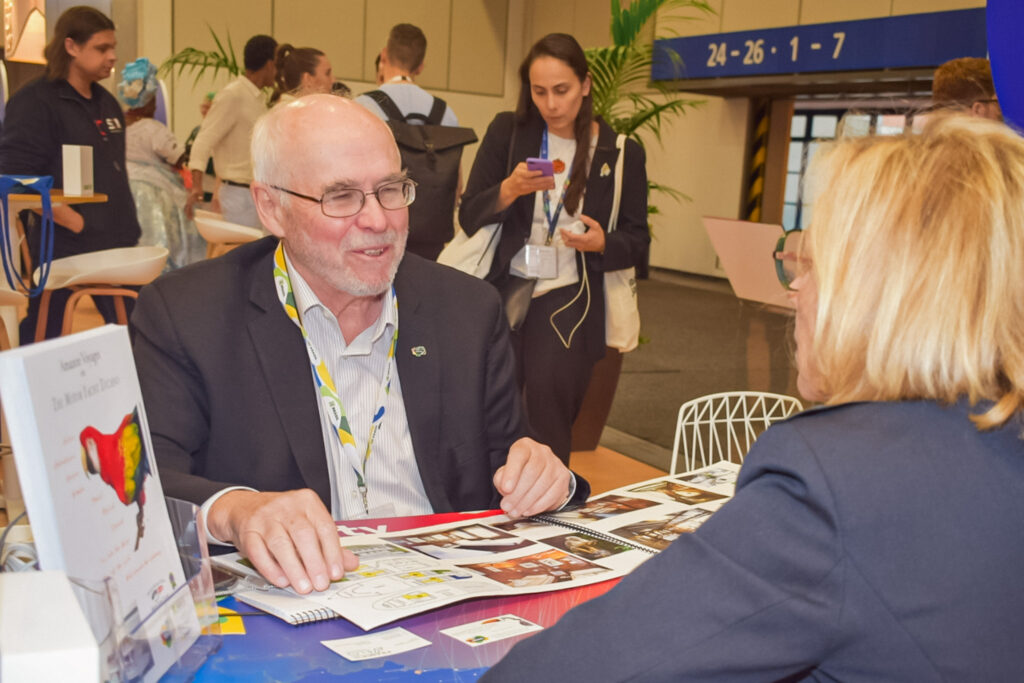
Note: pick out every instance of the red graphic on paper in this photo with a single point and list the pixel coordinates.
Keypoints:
(120, 460)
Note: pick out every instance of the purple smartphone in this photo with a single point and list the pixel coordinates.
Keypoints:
(545, 166)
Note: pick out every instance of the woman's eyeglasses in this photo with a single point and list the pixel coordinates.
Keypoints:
(789, 264)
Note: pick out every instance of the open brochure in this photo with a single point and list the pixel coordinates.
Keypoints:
(407, 572)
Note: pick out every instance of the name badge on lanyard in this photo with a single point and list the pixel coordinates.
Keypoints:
(542, 259)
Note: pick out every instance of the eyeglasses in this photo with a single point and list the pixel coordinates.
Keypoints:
(789, 265)
(349, 201)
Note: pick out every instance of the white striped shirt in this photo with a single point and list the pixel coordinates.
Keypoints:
(394, 486)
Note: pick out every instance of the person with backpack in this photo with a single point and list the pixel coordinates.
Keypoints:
(426, 130)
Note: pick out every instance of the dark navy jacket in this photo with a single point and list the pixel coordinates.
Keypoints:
(45, 114)
(866, 542)
(225, 378)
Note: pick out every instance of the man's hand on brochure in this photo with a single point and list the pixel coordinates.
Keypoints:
(532, 480)
(289, 537)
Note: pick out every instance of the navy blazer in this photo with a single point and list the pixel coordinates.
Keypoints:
(866, 542)
(230, 400)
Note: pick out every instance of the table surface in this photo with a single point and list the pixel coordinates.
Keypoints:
(58, 197)
(273, 650)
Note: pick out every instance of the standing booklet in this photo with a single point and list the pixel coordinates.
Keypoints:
(85, 462)
(407, 572)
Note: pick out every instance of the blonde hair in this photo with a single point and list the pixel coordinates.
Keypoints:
(917, 249)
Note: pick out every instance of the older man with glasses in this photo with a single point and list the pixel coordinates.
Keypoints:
(321, 373)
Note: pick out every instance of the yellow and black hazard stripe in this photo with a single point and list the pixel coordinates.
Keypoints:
(758, 156)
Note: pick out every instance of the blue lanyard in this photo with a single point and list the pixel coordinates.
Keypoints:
(552, 219)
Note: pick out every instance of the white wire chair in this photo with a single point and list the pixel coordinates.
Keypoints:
(724, 426)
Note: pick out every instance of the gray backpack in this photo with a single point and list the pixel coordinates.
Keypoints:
(431, 154)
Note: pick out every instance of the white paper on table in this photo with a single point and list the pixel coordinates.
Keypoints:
(489, 630)
(383, 644)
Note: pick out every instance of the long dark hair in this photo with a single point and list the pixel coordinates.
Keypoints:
(562, 47)
(78, 23)
(291, 63)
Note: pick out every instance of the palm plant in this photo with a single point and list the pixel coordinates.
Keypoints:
(199, 61)
(622, 92)
(621, 71)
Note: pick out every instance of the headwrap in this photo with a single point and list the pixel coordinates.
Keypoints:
(138, 84)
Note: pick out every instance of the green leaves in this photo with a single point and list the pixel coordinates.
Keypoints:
(629, 22)
(199, 61)
(620, 74)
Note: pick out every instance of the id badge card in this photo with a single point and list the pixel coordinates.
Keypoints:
(541, 261)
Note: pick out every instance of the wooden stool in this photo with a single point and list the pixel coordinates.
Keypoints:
(222, 236)
(10, 300)
(110, 272)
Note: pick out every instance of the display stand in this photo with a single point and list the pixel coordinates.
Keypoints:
(125, 643)
(188, 524)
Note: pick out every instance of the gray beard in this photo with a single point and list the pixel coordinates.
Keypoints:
(349, 284)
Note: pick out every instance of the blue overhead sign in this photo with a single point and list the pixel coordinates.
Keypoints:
(1005, 27)
(913, 40)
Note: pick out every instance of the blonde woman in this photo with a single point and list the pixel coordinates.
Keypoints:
(878, 537)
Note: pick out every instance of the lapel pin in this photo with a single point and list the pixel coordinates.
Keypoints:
(605, 170)
(419, 351)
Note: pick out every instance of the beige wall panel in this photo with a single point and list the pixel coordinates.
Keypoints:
(823, 11)
(686, 21)
(334, 26)
(154, 17)
(592, 23)
(703, 157)
(748, 15)
(432, 16)
(548, 17)
(125, 15)
(244, 18)
(587, 20)
(478, 40)
(922, 6)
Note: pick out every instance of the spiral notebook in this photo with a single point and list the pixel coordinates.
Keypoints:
(407, 572)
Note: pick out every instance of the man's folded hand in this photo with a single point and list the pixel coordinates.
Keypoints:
(532, 480)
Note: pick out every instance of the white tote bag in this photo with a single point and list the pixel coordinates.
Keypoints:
(621, 310)
(472, 255)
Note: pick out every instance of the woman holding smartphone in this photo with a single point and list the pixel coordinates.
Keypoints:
(555, 210)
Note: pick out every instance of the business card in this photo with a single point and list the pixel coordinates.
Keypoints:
(374, 645)
(490, 630)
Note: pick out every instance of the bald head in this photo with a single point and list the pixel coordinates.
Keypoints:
(290, 136)
(349, 247)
